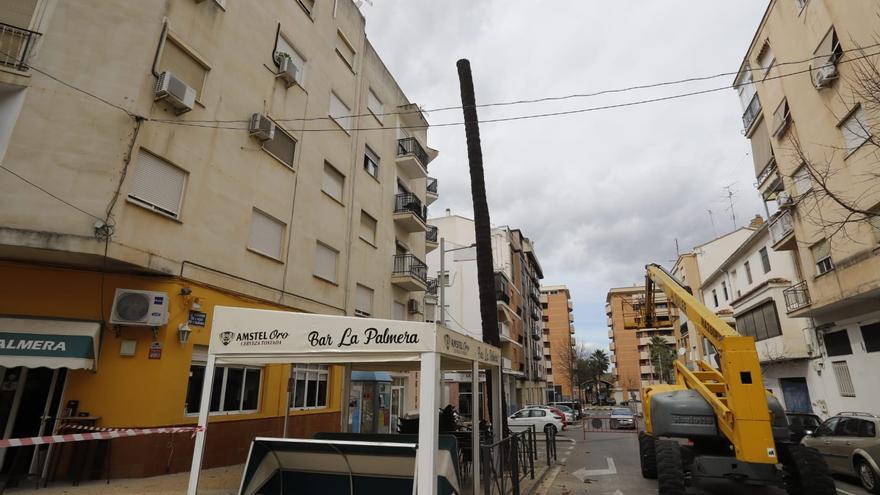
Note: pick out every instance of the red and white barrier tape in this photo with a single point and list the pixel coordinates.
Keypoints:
(98, 434)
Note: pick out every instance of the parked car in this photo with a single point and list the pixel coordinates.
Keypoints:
(565, 418)
(622, 418)
(850, 445)
(541, 419)
(570, 414)
(573, 407)
(802, 424)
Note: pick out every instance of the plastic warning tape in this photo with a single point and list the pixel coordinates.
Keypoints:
(100, 434)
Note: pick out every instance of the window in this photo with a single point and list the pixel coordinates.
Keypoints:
(761, 322)
(782, 118)
(334, 182)
(307, 5)
(339, 112)
(723, 287)
(828, 51)
(282, 146)
(267, 234)
(800, 4)
(844, 380)
(363, 301)
(398, 311)
(855, 130)
(325, 262)
(715, 297)
(871, 337)
(371, 162)
(157, 184)
(368, 228)
(748, 269)
(801, 180)
(345, 50)
(837, 343)
(181, 62)
(765, 259)
(746, 88)
(309, 386)
(828, 427)
(374, 105)
(236, 389)
(822, 257)
(766, 59)
(285, 48)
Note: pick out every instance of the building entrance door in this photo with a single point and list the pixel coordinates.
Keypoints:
(796, 395)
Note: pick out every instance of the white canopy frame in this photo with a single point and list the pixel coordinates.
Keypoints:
(255, 336)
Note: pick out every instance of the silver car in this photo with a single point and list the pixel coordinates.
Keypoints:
(622, 418)
(850, 445)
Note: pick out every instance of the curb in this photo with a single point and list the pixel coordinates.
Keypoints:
(545, 482)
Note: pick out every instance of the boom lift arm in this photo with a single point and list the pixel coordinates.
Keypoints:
(736, 393)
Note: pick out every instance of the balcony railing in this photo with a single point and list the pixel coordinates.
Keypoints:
(431, 234)
(502, 293)
(409, 202)
(751, 112)
(796, 297)
(410, 146)
(534, 314)
(407, 265)
(16, 45)
(432, 287)
(781, 226)
(432, 185)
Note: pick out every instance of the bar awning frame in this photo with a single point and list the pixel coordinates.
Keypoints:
(49, 343)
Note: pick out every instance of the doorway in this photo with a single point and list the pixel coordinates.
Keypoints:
(796, 394)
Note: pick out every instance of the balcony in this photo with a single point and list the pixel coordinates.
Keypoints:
(412, 158)
(782, 231)
(15, 46)
(431, 190)
(573, 341)
(506, 364)
(534, 314)
(751, 113)
(669, 339)
(409, 273)
(796, 297)
(431, 238)
(432, 289)
(502, 291)
(536, 334)
(535, 294)
(410, 213)
(570, 306)
(611, 346)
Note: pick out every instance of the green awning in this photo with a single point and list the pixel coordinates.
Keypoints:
(49, 343)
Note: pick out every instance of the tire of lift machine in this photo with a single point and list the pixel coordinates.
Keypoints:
(647, 456)
(805, 471)
(670, 468)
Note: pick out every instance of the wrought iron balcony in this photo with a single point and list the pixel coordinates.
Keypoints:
(534, 314)
(15, 46)
(410, 212)
(502, 292)
(432, 185)
(751, 112)
(431, 234)
(796, 297)
(412, 158)
(432, 287)
(409, 272)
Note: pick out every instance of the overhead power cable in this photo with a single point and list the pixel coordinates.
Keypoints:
(23, 179)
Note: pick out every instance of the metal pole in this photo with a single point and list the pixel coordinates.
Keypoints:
(205, 405)
(287, 403)
(441, 281)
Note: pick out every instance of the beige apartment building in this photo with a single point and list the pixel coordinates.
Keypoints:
(559, 343)
(629, 346)
(160, 158)
(810, 114)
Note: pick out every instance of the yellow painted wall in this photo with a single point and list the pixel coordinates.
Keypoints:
(137, 391)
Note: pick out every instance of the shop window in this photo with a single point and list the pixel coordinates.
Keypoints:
(236, 389)
(309, 386)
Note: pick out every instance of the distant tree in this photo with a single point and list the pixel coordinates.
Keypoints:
(662, 356)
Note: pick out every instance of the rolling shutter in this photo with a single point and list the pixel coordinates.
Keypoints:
(340, 112)
(325, 262)
(266, 234)
(158, 184)
(762, 152)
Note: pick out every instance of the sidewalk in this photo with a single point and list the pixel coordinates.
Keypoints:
(216, 481)
(563, 483)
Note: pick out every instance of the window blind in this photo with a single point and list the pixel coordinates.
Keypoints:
(364, 300)
(158, 183)
(180, 63)
(266, 234)
(340, 112)
(325, 262)
(334, 182)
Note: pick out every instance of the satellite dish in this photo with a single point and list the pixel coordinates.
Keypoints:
(682, 351)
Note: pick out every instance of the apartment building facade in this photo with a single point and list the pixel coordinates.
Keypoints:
(214, 153)
(810, 122)
(517, 283)
(631, 359)
(559, 343)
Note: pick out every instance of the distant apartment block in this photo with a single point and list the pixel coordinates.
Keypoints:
(559, 343)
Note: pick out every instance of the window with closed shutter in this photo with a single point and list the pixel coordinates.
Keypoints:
(399, 311)
(267, 234)
(363, 300)
(374, 104)
(334, 182)
(345, 50)
(765, 259)
(766, 59)
(828, 52)
(822, 257)
(762, 150)
(340, 112)
(183, 65)
(368, 228)
(844, 379)
(157, 184)
(325, 262)
(299, 61)
(855, 130)
(802, 181)
(282, 146)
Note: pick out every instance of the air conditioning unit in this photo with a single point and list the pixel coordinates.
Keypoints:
(414, 306)
(825, 75)
(175, 92)
(139, 307)
(783, 199)
(261, 127)
(287, 70)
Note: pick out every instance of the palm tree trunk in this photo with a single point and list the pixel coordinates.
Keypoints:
(482, 228)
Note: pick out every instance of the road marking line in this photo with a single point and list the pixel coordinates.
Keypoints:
(585, 473)
(844, 492)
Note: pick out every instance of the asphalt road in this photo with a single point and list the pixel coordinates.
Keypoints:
(608, 464)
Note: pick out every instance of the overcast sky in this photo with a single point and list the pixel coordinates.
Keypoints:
(601, 193)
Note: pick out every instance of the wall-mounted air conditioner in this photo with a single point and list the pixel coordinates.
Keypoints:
(825, 75)
(414, 306)
(783, 199)
(261, 127)
(175, 92)
(139, 307)
(287, 70)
